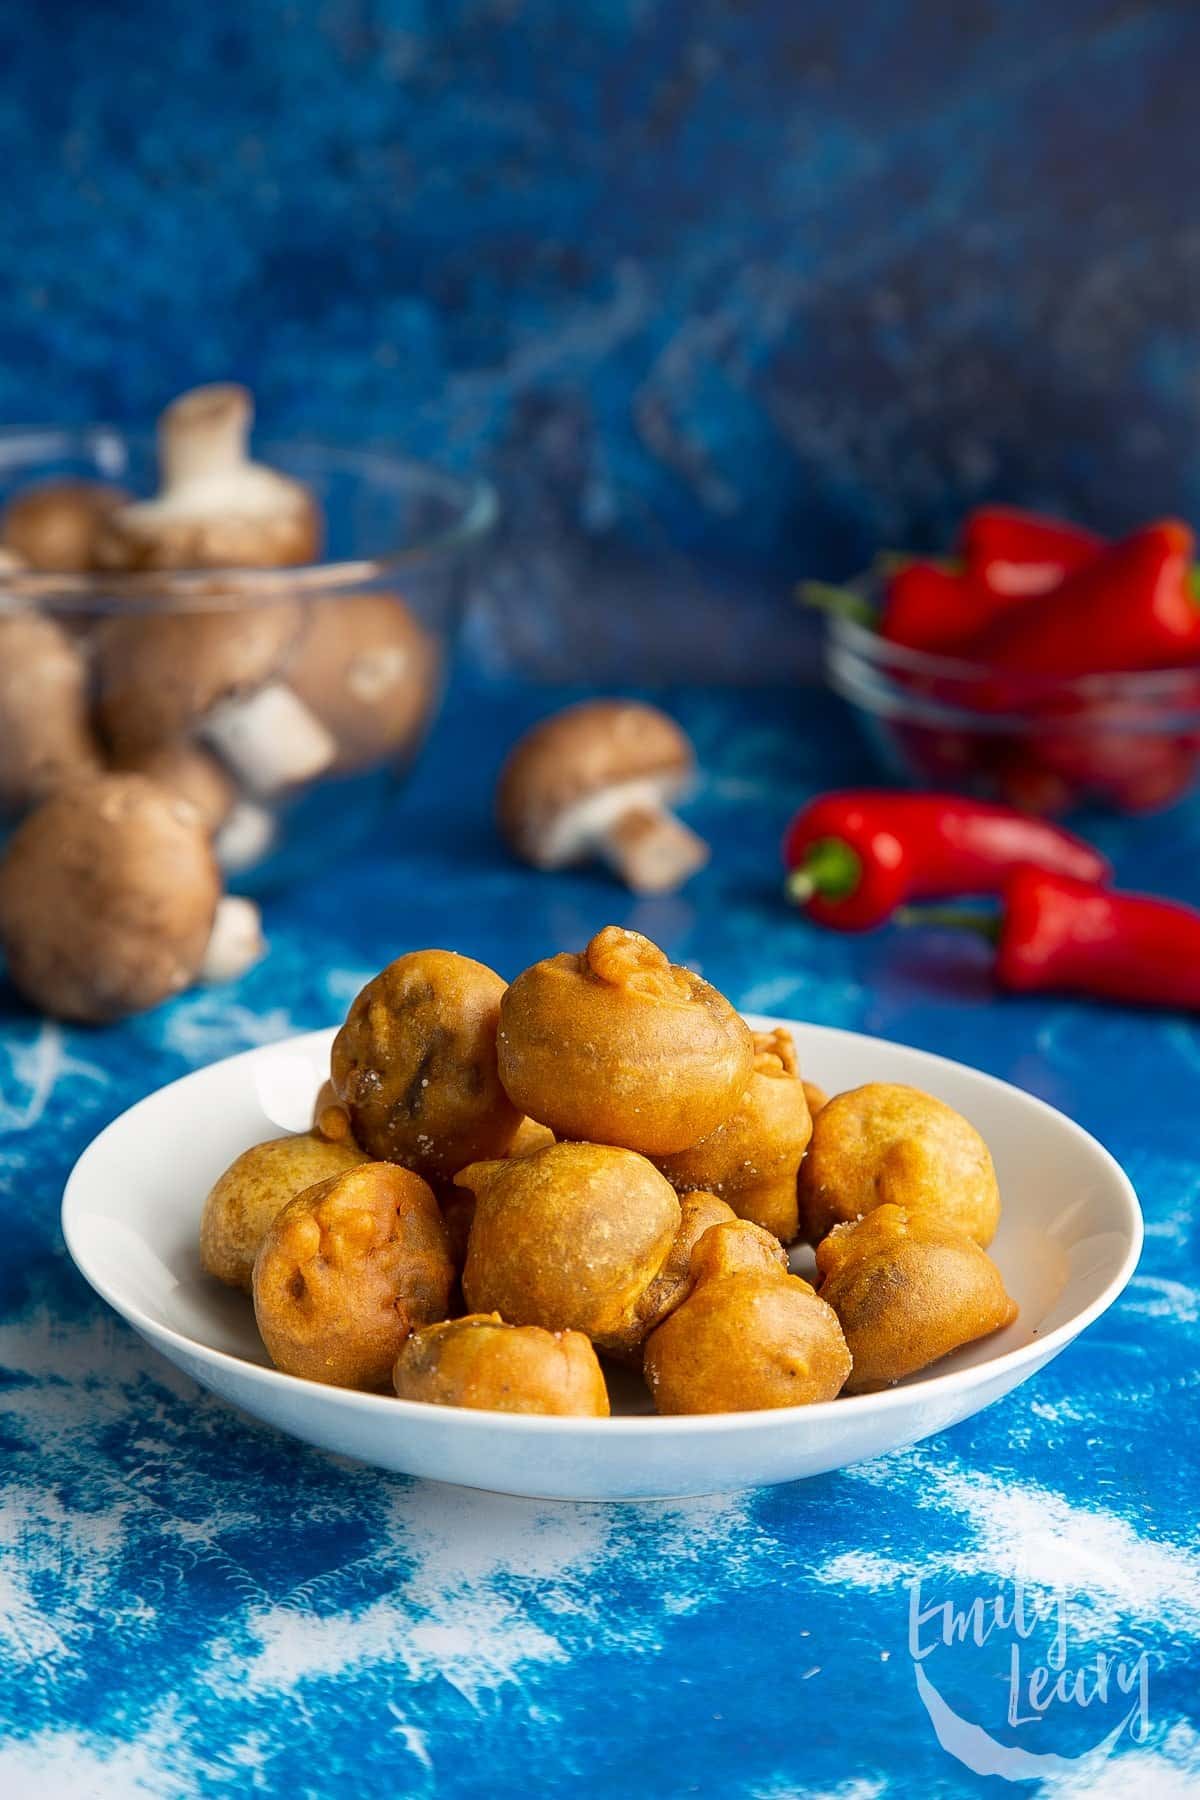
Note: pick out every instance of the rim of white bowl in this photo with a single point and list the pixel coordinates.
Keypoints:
(641, 1424)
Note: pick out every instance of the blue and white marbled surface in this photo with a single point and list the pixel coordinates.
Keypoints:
(190, 1604)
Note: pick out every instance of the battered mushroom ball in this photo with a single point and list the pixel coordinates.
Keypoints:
(697, 1212)
(908, 1288)
(254, 1190)
(479, 1361)
(883, 1143)
(458, 1204)
(752, 1160)
(347, 1270)
(618, 1046)
(747, 1335)
(569, 1238)
(415, 1065)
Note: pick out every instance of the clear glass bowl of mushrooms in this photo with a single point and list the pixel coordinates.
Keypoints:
(259, 629)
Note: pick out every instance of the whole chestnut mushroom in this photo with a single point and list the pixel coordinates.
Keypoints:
(46, 738)
(110, 901)
(346, 1270)
(215, 507)
(886, 1142)
(368, 670)
(747, 1335)
(479, 1361)
(908, 1289)
(53, 525)
(598, 781)
(415, 1065)
(618, 1046)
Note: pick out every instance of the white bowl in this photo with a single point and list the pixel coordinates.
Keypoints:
(1068, 1242)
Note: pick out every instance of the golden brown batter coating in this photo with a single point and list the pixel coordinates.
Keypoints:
(747, 1335)
(752, 1160)
(479, 1361)
(816, 1097)
(618, 1046)
(697, 1211)
(884, 1142)
(415, 1065)
(330, 1118)
(254, 1190)
(569, 1238)
(908, 1288)
(347, 1270)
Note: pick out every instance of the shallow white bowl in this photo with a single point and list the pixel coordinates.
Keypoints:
(1069, 1241)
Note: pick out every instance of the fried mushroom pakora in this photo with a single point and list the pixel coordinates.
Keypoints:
(747, 1335)
(254, 1190)
(415, 1065)
(479, 1361)
(347, 1270)
(887, 1143)
(569, 1238)
(753, 1158)
(908, 1289)
(619, 1046)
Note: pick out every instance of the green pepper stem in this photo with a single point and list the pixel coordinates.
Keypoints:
(952, 918)
(830, 869)
(843, 603)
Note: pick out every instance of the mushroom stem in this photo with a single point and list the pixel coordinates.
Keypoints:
(204, 433)
(651, 850)
(269, 739)
(244, 836)
(236, 943)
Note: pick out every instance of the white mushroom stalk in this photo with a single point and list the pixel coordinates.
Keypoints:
(269, 739)
(236, 943)
(630, 827)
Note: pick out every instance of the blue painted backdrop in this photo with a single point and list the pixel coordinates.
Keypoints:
(771, 284)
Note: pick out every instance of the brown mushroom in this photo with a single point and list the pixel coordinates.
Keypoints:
(753, 1158)
(908, 1288)
(598, 780)
(191, 773)
(45, 734)
(481, 1362)
(110, 901)
(215, 675)
(215, 507)
(620, 1046)
(747, 1334)
(368, 670)
(53, 525)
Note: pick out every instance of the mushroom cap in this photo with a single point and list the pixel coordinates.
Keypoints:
(108, 893)
(368, 670)
(159, 674)
(579, 753)
(52, 525)
(215, 507)
(191, 773)
(45, 733)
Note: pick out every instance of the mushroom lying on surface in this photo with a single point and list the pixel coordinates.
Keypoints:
(53, 525)
(597, 780)
(368, 670)
(215, 507)
(110, 901)
(45, 734)
(217, 676)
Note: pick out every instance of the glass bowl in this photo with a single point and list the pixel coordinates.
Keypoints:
(296, 760)
(1126, 743)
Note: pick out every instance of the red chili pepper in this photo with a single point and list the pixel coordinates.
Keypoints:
(856, 856)
(1055, 934)
(1017, 555)
(1133, 607)
(927, 606)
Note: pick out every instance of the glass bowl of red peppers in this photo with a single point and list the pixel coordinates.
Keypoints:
(1044, 666)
